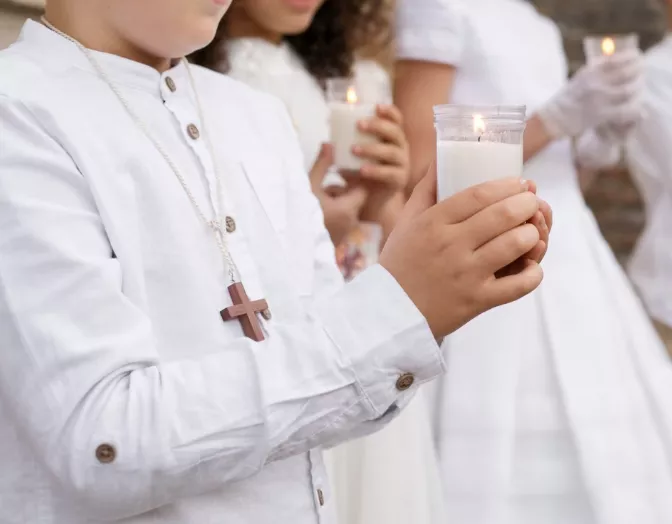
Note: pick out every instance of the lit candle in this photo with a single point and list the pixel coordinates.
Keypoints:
(345, 111)
(477, 147)
(596, 47)
(608, 46)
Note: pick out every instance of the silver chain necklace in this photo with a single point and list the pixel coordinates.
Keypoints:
(217, 224)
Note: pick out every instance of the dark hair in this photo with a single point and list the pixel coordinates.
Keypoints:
(329, 46)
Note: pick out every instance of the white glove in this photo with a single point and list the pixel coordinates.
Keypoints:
(604, 92)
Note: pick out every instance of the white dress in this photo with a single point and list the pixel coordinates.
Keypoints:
(555, 409)
(651, 164)
(390, 477)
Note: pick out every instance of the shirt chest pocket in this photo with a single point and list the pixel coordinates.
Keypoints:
(266, 192)
(291, 250)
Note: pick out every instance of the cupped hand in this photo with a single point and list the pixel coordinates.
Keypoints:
(462, 257)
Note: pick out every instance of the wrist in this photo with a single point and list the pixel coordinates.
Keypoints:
(553, 123)
(536, 138)
(384, 210)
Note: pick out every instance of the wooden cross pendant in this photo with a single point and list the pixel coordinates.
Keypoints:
(245, 311)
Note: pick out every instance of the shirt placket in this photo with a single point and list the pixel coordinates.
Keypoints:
(321, 488)
(179, 99)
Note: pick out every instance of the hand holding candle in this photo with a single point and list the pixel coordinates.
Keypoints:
(602, 92)
(387, 160)
(387, 167)
(440, 253)
(603, 147)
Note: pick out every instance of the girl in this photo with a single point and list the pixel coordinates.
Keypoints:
(291, 49)
(555, 409)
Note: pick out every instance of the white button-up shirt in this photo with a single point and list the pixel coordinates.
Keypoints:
(650, 159)
(123, 395)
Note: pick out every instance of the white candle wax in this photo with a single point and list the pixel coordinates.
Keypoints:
(464, 164)
(345, 133)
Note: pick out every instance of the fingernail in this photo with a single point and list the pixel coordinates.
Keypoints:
(356, 149)
(363, 124)
(525, 184)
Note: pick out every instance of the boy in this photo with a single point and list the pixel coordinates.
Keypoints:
(177, 342)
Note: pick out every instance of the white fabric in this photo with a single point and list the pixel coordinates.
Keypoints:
(110, 296)
(390, 477)
(555, 409)
(433, 31)
(650, 158)
(595, 151)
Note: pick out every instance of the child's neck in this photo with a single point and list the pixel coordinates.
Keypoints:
(239, 25)
(99, 38)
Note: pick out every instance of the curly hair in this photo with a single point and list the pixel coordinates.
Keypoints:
(328, 48)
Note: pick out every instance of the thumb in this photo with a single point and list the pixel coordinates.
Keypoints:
(423, 196)
(324, 161)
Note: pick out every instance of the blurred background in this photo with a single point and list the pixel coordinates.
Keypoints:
(612, 196)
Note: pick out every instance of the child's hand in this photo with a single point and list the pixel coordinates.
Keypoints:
(458, 258)
(387, 173)
(389, 161)
(341, 208)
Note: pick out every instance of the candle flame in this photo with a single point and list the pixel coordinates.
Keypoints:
(351, 96)
(479, 124)
(608, 46)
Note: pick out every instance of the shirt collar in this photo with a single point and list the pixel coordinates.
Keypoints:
(61, 54)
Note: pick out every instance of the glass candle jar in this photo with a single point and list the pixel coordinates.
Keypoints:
(476, 144)
(608, 45)
(346, 109)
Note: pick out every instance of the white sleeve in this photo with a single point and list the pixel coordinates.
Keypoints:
(80, 367)
(432, 30)
(648, 147)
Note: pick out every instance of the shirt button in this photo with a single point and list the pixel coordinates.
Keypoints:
(405, 381)
(320, 497)
(193, 132)
(266, 313)
(171, 84)
(105, 453)
(230, 224)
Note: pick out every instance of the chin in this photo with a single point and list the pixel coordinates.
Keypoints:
(196, 40)
(296, 25)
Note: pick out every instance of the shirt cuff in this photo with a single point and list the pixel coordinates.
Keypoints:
(383, 339)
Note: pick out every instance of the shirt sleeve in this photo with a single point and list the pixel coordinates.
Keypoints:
(432, 30)
(123, 431)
